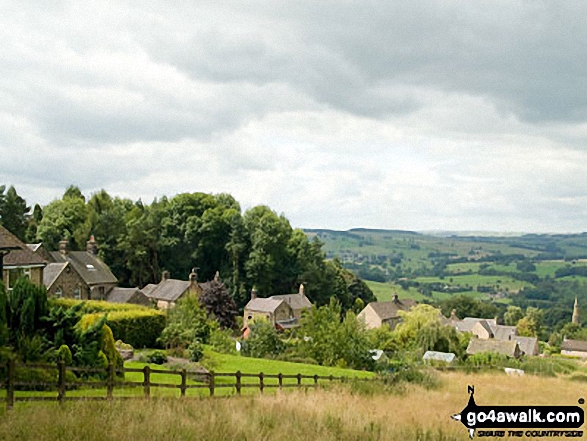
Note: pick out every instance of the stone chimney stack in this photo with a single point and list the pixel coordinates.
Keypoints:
(164, 276)
(395, 298)
(453, 315)
(217, 277)
(193, 278)
(301, 291)
(64, 246)
(92, 246)
(254, 293)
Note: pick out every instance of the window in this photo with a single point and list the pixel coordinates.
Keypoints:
(13, 275)
(59, 292)
(77, 293)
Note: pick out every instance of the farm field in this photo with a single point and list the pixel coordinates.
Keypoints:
(475, 280)
(334, 413)
(385, 291)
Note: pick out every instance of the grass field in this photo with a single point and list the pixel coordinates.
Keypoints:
(329, 414)
(475, 280)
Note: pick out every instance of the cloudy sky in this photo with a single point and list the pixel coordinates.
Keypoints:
(421, 115)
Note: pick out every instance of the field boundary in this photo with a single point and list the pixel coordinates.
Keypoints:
(112, 378)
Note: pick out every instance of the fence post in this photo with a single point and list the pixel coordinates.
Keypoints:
(10, 371)
(61, 382)
(280, 378)
(211, 385)
(299, 380)
(330, 378)
(238, 382)
(343, 379)
(182, 388)
(261, 384)
(315, 380)
(147, 381)
(110, 390)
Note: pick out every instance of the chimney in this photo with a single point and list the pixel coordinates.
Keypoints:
(453, 315)
(395, 298)
(193, 277)
(92, 246)
(217, 277)
(63, 246)
(254, 293)
(301, 290)
(164, 276)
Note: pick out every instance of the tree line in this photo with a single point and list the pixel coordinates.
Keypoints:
(209, 232)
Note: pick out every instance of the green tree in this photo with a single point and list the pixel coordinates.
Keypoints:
(187, 322)
(263, 341)
(14, 213)
(64, 217)
(513, 315)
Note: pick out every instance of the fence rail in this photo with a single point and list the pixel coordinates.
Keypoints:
(203, 380)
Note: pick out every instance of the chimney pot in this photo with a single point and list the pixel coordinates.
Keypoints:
(164, 276)
(92, 246)
(254, 293)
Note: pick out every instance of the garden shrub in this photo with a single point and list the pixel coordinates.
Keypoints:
(195, 351)
(222, 341)
(64, 355)
(156, 357)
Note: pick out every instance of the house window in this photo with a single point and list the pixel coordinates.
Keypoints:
(77, 293)
(59, 293)
(13, 275)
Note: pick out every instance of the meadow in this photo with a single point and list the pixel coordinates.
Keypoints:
(333, 413)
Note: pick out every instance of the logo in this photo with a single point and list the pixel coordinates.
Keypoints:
(547, 421)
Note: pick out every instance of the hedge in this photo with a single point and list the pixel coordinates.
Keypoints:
(91, 306)
(140, 328)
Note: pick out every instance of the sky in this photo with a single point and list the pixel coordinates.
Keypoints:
(419, 115)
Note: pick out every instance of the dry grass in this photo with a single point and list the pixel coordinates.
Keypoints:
(313, 415)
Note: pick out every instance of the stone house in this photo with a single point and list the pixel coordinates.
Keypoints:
(63, 281)
(17, 260)
(168, 291)
(574, 348)
(283, 311)
(505, 347)
(376, 314)
(128, 295)
(97, 278)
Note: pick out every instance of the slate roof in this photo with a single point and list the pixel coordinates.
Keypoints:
(296, 301)
(169, 290)
(574, 345)
(391, 309)
(502, 332)
(91, 269)
(447, 357)
(506, 347)
(23, 256)
(485, 325)
(122, 295)
(466, 324)
(52, 271)
(527, 344)
(268, 304)
(148, 289)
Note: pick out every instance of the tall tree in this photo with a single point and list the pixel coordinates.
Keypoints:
(219, 303)
(14, 213)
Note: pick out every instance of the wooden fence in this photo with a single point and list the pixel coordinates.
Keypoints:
(210, 381)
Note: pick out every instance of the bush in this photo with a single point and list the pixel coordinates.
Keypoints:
(64, 355)
(139, 327)
(263, 341)
(222, 341)
(92, 306)
(47, 379)
(156, 357)
(195, 351)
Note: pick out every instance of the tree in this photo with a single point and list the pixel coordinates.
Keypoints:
(64, 218)
(531, 324)
(187, 322)
(467, 306)
(263, 341)
(14, 213)
(219, 303)
(513, 315)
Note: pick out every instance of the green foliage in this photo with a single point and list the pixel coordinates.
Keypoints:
(95, 345)
(4, 335)
(333, 341)
(263, 341)
(195, 351)
(64, 355)
(222, 340)
(467, 306)
(186, 322)
(90, 306)
(422, 328)
(531, 324)
(513, 315)
(13, 212)
(156, 357)
(139, 328)
(46, 379)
